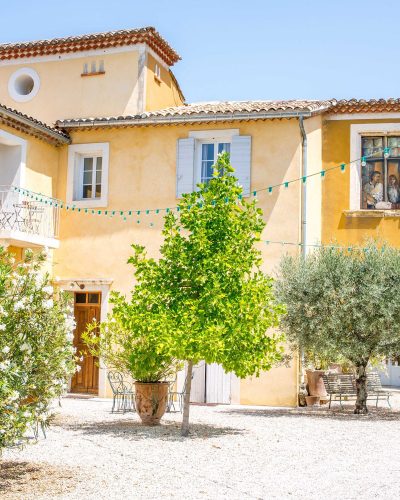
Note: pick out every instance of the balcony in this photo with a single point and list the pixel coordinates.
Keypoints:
(27, 222)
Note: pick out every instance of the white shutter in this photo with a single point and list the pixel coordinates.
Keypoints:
(241, 160)
(184, 166)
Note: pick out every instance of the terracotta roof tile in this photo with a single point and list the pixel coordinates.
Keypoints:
(94, 41)
(31, 126)
(366, 106)
(208, 112)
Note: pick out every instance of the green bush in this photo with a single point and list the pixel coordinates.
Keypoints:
(36, 352)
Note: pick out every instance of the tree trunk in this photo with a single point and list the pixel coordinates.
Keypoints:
(361, 385)
(186, 400)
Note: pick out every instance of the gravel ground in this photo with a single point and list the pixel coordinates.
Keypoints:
(233, 452)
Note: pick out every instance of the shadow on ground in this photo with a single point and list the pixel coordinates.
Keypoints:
(25, 480)
(320, 412)
(128, 428)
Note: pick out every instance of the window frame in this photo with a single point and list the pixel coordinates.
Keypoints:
(357, 132)
(208, 137)
(76, 155)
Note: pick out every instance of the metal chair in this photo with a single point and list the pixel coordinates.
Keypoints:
(123, 393)
(176, 397)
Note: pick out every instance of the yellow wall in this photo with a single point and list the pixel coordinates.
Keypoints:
(336, 192)
(64, 93)
(41, 174)
(160, 94)
(143, 175)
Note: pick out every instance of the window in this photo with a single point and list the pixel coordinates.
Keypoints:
(157, 71)
(88, 175)
(209, 154)
(24, 84)
(91, 167)
(379, 172)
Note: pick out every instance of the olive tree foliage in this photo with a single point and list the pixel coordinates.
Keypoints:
(36, 351)
(344, 304)
(207, 291)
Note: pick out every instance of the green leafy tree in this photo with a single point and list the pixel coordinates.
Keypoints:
(343, 304)
(36, 352)
(207, 290)
(128, 340)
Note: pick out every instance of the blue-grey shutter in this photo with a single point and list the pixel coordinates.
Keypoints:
(241, 160)
(184, 166)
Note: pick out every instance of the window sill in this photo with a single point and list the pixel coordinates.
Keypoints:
(357, 214)
(157, 79)
(94, 73)
(95, 203)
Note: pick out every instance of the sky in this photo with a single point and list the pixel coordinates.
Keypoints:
(243, 50)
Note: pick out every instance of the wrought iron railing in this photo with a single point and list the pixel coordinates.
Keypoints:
(19, 212)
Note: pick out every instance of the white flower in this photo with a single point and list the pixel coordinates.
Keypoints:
(2, 327)
(25, 347)
(26, 414)
(48, 289)
(78, 368)
(4, 365)
(70, 336)
(47, 304)
(18, 305)
(6, 349)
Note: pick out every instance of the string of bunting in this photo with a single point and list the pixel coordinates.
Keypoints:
(125, 214)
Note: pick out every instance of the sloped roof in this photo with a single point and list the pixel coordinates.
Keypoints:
(366, 106)
(93, 41)
(209, 112)
(31, 126)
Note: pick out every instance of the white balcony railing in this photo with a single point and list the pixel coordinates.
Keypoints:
(22, 214)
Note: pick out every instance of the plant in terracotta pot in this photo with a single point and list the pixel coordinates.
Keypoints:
(128, 341)
(318, 364)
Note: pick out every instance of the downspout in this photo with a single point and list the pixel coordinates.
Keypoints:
(303, 225)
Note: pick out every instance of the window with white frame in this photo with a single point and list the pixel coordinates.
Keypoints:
(209, 154)
(88, 174)
(380, 171)
(89, 187)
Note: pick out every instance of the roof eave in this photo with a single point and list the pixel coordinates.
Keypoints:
(45, 132)
(193, 118)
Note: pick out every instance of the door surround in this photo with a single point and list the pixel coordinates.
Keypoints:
(91, 285)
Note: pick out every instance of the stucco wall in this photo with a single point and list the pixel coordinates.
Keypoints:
(41, 169)
(64, 93)
(143, 175)
(336, 192)
(160, 94)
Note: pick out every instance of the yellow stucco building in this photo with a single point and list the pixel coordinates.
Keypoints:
(111, 133)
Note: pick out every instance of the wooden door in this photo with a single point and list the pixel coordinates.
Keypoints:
(87, 307)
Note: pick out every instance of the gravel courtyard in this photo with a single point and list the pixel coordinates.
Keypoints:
(233, 452)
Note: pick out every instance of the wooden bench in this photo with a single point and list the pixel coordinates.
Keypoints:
(342, 387)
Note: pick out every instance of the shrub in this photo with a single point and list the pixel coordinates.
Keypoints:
(36, 352)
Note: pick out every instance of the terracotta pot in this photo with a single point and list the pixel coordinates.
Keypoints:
(151, 401)
(316, 386)
(312, 400)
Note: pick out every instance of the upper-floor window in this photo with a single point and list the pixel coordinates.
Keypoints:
(380, 172)
(157, 71)
(88, 175)
(91, 170)
(209, 154)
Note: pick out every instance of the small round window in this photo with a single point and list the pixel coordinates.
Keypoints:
(24, 84)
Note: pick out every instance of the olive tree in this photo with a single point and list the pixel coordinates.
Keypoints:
(209, 284)
(343, 303)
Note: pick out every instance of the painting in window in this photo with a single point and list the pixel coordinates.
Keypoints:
(380, 173)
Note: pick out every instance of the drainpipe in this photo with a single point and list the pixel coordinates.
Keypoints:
(303, 226)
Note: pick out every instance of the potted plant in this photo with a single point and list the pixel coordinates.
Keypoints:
(128, 341)
(315, 383)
